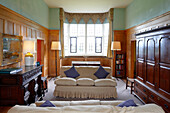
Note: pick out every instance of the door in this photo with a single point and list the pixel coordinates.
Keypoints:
(150, 70)
(40, 53)
(163, 64)
(140, 58)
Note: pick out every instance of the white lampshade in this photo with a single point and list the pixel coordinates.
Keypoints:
(116, 46)
(28, 46)
(55, 45)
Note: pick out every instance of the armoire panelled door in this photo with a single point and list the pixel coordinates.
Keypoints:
(163, 64)
(140, 58)
(150, 70)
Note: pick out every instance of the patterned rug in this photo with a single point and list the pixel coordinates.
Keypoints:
(123, 93)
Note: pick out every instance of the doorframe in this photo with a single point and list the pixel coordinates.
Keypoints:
(133, 58)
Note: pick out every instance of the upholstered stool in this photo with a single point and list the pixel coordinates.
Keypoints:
(131, 80)
(44, 85)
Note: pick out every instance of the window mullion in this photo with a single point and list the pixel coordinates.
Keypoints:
(95, 38)
(85, 39)
(103, 40)
(69, 38)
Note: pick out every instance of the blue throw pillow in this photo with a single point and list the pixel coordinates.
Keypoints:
(72, 72)
(47, 103)
(127, 103)
(101, 73)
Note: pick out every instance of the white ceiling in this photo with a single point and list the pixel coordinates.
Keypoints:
(87, 6)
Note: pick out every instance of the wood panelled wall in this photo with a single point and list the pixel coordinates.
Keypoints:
(16, 24)
(53, 36)
(119, 35)
(162, 20)
(103, 60)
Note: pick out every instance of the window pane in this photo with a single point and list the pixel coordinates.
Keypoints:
(98, 45)
(81, 29)
(81, 45)
(90, 29)
(66, 29)
(73, 44)
(73, 29)
(106, 29)
(90, 45)
(98, 30)
(105, 45)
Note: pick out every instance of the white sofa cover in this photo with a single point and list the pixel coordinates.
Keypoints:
(88, 106)
(86, 85)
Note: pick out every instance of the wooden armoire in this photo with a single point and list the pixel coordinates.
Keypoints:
(153, 67)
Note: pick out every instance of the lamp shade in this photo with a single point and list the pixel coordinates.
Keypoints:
(55, 45)
(29, 46)
(116, 46)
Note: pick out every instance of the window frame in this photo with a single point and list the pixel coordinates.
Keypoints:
(103, 51)
(70, 44)
(96, 44)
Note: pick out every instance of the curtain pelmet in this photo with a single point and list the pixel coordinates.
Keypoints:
(86, 17)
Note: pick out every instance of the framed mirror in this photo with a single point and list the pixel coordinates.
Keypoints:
(10, 49)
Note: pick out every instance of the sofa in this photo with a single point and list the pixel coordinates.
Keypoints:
(87, 106)
(87, 85)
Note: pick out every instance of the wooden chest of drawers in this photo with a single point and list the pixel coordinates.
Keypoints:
(148, 95)
(21, 88)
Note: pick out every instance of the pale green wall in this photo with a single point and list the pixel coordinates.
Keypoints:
(140, 11)
(35, 10)
(119, 19)
(54, 18)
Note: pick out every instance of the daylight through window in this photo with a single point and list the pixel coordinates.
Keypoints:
(86, 39)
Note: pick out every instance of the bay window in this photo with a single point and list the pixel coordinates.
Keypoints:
(86, 39)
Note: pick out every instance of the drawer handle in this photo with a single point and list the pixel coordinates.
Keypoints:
(152, 96)
(144, 90)
(136, 91)
(166, 106)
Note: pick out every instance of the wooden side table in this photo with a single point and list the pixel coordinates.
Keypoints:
(131, 80)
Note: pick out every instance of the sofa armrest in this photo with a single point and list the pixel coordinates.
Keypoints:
(113, 78)
(32, 105)
(58, 77)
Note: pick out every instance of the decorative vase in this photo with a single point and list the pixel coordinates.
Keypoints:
(29, 59)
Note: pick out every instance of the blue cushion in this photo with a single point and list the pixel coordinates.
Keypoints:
(101, 73)
(127, 103)
(72, 72)
(47, 103)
